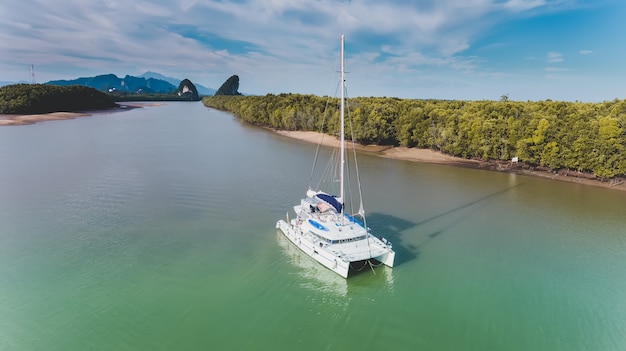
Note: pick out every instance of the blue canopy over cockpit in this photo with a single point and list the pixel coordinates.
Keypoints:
(331, 200)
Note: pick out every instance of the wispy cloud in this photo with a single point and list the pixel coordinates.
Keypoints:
(586, 52)
(272, 41)
(522, 5)
(554, 57)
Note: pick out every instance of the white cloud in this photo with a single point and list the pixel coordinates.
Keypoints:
(554, 57)
(283, 44)
(586, 52)
(522, 5)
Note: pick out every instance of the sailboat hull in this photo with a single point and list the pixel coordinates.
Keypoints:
(387, 258)
(331, 256)
(309, 246)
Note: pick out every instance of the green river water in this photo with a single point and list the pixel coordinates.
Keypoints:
(154, 229)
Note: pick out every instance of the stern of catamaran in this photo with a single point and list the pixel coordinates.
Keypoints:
(388, 258)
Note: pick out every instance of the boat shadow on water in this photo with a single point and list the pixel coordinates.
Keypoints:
(394, 228)
(391, 228)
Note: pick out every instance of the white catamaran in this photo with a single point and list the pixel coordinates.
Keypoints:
(322, 228)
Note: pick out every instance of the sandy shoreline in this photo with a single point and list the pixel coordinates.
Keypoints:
(401, 153)
(430, 156)
(20, 120)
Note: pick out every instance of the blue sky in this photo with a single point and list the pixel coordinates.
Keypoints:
(569, 50)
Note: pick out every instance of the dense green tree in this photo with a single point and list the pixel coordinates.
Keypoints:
(585, 137)
(40, 98)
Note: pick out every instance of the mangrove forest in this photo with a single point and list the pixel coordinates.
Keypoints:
(578, 136)
(43, 98)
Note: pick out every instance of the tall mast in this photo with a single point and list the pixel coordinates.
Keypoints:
(342, 162)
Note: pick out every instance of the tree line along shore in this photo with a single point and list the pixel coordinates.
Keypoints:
(41, 98)
(46, 98)
(581, 139)
(584, 140)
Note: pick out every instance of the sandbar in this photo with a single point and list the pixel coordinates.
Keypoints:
(20, 120)
(431, 156)
(395, 152)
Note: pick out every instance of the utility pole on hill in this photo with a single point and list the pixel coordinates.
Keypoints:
(32, 74)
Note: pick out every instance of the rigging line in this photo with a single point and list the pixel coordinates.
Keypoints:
(358, 180)
(371, 266)
(317, 152)
(342, 116)
(319, 145)
(328, 176)
(356, 165)
(358, 269)
(349, 175)
(349, 185)
(377, 265)
(324, 116)
(321, 131)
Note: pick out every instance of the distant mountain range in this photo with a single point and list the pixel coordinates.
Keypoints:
(202, 90)
(109, 82)
(149, 82)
